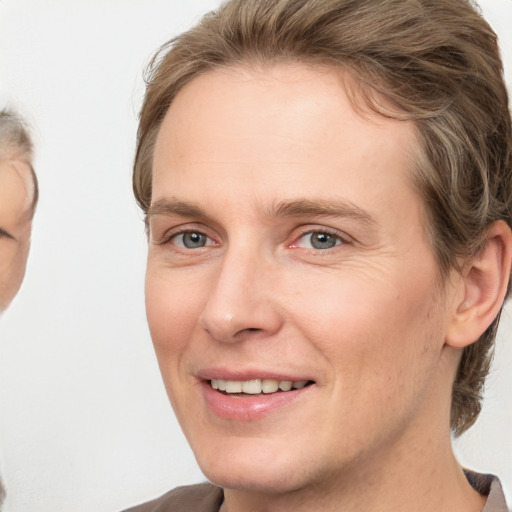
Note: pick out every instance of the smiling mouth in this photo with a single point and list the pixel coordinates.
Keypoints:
(257, 386)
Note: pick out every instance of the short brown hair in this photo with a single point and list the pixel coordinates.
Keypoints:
(435, 61)
(16, 144)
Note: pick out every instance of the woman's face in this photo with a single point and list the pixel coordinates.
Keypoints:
(291, 292)
(16, 196)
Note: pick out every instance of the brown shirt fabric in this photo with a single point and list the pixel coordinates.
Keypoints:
(208, 498)
(191, 498)
(489, 486)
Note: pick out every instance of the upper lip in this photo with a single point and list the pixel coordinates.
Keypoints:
(248, 374)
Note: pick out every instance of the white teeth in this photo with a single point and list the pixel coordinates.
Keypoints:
(256, 386)
(251, 387)
(233, 386)
(269, 385)
(285, 385)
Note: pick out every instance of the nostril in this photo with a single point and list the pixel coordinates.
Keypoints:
(244, 332)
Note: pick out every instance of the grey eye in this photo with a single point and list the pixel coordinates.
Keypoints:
(319, 240)
(191, 240)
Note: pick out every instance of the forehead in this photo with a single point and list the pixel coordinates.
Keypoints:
(16, 192)
(288, 123)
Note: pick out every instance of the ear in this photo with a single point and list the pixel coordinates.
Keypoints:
(483, 288)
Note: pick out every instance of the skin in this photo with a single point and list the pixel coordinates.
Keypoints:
(16, 196)
(16, 211)
(366, 319)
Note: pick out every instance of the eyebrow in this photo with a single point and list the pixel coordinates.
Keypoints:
(294, 208)
(173, 207)
(321, 208)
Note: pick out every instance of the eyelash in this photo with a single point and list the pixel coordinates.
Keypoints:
(5, 234)
(332, 235)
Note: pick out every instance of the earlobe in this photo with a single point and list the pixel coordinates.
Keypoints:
(484, 286)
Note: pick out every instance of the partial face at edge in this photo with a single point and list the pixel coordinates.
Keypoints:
(287, 244)
(16, 196)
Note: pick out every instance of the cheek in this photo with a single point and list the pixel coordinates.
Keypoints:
(172, 310)
(376, 331)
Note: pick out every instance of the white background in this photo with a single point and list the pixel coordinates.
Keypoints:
(85, 423)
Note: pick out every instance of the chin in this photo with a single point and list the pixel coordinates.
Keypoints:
(258, 480)
(255, 469)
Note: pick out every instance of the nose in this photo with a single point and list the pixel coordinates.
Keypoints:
(241, 303)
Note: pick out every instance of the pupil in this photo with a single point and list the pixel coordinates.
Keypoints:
(323, 240)
(191, 240)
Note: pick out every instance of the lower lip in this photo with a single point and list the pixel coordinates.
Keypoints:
(250, 407)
